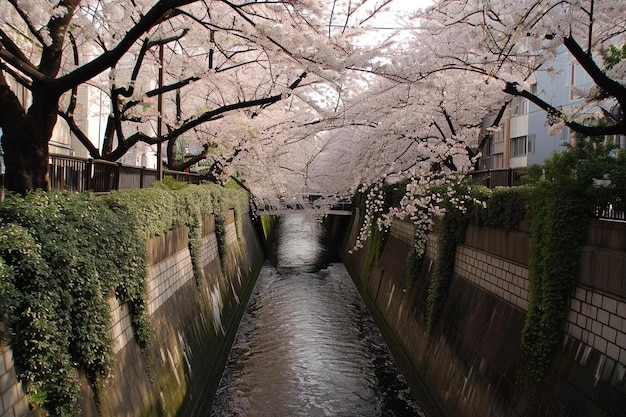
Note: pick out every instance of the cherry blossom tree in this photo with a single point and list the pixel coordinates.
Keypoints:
(201, 60)
(466, 61)
(511, 41)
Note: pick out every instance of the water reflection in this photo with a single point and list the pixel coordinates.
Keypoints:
(306, 345)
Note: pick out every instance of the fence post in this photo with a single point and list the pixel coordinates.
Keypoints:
(510, 177)
(118, 177)
(87, 175)
(142, 173)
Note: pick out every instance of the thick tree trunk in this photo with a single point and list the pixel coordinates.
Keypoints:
(25, 144)
(26, 160)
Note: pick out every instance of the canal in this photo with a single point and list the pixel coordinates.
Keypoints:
(306, 345)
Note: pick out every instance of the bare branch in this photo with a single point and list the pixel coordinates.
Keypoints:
(108, 59)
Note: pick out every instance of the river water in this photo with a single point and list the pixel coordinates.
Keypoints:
(306, 345)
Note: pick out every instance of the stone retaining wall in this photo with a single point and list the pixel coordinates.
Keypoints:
(194, 321)
(501, 277)
(470, 365)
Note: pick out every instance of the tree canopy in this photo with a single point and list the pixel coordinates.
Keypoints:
(296, 96)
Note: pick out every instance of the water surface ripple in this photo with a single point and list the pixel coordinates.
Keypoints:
(306, 345)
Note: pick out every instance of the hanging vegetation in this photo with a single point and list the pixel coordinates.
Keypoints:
(62, 255)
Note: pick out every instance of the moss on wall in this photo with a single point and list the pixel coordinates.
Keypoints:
(64, 254)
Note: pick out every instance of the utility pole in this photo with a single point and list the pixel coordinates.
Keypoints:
(160, 117)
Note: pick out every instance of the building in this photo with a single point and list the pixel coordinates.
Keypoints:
(524, 137)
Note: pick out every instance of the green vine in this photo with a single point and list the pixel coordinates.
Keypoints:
(414, 263)
(375, 249)
(453, 226)
(557, 199)
(62, 255)
(373, 204)
(220, 235)
(558, 227)
(506, 207)
(560, 216)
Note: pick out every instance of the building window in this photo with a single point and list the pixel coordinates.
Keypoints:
(530, 148)
(498, 135)
(488, 147)
(573, 90)
(519, 146)
(564, 138)
(519, 106)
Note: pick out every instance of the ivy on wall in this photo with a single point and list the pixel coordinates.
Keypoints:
(468, 203)
(453, 227)
(374, 250)
(560, 210)
(62, 255)
(557, 200)
(373, 203)
(560, 220)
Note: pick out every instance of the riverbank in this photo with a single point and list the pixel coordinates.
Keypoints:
(471, 361)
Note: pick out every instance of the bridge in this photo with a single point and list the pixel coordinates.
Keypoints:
(321, 212)
(313, 204)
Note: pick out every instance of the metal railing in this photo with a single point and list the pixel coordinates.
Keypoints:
(81, 174)
(501, 177)
(509, 177)
(612, 211)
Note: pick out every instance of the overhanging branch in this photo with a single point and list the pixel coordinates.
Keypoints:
(615, 129)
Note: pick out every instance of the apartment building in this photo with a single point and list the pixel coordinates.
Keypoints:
(524, 137)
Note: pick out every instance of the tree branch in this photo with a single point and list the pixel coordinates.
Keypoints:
(616, 129)
(191, 161)
(12, 109)
(210, 115)
(24, 66)
(171, 87)
(108, 59)
(598, 76)
(82, 138)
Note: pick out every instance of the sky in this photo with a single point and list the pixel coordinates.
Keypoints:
(393, 17)
(399, 8)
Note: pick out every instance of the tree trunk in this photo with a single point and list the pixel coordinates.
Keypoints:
(26, 160)
(25, 144)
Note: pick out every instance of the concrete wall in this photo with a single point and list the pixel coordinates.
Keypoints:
(195, 319)
(469, 367)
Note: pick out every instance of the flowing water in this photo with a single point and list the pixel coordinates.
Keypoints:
(306, 345)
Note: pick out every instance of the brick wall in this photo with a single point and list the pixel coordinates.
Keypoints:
(501, 277)
(13, 401)
(599, 321)
(403, 231)
(121, 330)
(167, 277)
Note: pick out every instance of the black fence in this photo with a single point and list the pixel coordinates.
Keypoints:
(491, 178)
(509, 177)
(80, 174)
(612, 211)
